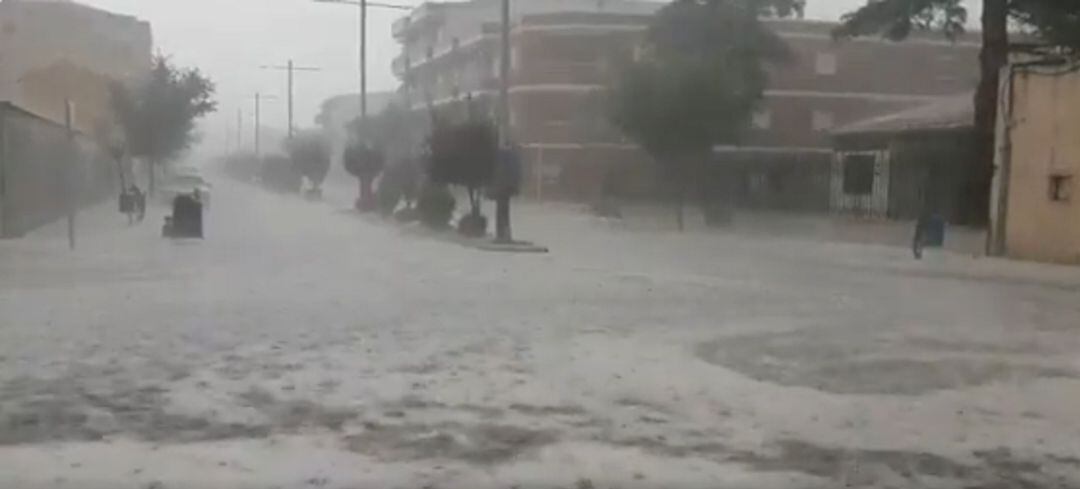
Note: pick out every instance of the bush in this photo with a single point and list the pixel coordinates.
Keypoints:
(473, 225)
(464, 154)
(364, 162)
(436, 206)
(388, 195)
(310, 155)
(408, 214)
(278, 174)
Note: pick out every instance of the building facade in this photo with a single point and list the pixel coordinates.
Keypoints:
(1035, 209)
(565, 53)
(56, 49)
(902, 165)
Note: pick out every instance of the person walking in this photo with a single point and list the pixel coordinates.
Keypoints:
(139, 200)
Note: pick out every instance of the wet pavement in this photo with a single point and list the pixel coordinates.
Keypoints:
(301, 345)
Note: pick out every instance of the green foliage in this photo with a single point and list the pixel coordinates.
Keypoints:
(388, 195)
(310, 155)
(700, 78)
(436, 206)
(158, 115)
(363, 161)
(279, 174)
(405, 175)
(1056, 22)
(897, 19)
(390, 130)
(464, 154)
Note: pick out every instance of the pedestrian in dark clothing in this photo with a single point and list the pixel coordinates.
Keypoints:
(921, 228)
(140, 203)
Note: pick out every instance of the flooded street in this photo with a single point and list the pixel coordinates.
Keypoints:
(300, 345)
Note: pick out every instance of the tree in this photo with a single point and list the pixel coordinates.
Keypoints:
(376, 140)
(700, 76)
(310, 155)
(364, 162)
(1055, 22)
(158, 114)
(464, 154)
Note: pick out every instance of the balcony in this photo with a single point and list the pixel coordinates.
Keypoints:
(561, 73)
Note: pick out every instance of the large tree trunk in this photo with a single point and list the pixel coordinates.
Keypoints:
(503, 233)
(994, 56)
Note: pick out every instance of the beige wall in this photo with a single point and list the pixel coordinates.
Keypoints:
(1045, 141)
(49, 51)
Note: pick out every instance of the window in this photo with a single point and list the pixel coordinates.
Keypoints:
(1061, 188)
(825, 64)
(822, 120)
(859, 174)
(762, 119)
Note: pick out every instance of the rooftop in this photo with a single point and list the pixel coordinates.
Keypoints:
(950, 113)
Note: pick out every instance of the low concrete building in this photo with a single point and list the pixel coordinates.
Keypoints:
(45, 171)
(56, 49)
(899, 165)
(1036, 206)
(565, 53)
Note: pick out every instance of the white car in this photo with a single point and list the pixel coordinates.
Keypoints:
(185, 184)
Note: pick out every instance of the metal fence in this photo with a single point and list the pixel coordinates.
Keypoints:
(45, 172)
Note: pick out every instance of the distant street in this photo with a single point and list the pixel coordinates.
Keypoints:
(301, 345)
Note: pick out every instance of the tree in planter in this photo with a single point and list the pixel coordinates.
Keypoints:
(464, 154)
(1055, 22)
(400, 182)
(364, 162)
(377, 140)
(158, 114)
(310, 155)
(698, 81)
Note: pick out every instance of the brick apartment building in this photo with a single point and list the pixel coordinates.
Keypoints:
(564, 53)
(53, 48)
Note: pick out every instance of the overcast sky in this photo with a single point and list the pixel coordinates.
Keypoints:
(230, 39)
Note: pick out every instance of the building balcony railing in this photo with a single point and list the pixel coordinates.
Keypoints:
(562, 73)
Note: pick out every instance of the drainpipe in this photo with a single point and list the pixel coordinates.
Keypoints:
(3, 171)
(996, 242)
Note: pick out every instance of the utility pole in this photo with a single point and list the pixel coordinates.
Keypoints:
(363, 60)
(259, 97)
(290, 92)
(258, 102)
(239, 130)
(289, 69)
(363, 5)
(70, 176)
(504, 74)
(506, 151)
